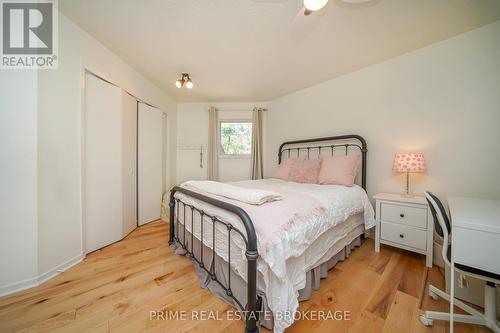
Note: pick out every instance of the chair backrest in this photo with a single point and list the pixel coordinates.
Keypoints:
(442, 224)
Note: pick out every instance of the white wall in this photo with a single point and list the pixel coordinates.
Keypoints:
(18, 189)
(60, 141)
(442, 100)
(192, 133)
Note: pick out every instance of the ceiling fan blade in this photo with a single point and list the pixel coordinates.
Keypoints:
(305, 20)
(304, 23)
(271, 1)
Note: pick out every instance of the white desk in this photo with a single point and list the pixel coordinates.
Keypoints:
(475, 236)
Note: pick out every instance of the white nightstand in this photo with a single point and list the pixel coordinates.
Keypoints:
(404, 222)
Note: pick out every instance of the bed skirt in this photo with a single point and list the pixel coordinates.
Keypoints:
(239, 286)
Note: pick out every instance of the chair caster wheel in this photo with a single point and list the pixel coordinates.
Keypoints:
(434, 296)
(425, 321)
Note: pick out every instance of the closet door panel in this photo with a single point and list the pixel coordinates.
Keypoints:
(129, 166)
(150, 163)
(102, 164)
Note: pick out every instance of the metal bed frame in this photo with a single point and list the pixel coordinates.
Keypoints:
(254, 302)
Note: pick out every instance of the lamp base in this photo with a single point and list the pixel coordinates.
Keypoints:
(407, 193)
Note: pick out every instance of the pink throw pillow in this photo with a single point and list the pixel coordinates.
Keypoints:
(338, 170)
(305, 171)
(284, 168)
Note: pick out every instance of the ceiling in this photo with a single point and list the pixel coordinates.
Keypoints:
(257, 50)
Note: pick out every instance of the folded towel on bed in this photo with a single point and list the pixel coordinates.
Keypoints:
(247, 195)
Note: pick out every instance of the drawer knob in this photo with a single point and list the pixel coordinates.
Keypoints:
(401, 235)
(401, 215)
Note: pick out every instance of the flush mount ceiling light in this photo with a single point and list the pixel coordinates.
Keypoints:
(313, 5)
(185, 80)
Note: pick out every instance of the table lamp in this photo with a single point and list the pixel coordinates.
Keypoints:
(409, 162)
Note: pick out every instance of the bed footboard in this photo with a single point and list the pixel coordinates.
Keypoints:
(252, 308)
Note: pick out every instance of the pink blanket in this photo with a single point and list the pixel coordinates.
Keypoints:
(271, 220)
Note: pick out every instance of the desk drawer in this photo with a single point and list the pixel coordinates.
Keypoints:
(408, 215)
(475, 248)
(404, 235)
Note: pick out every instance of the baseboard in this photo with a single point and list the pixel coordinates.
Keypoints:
(18, 286)
(59, 269)
(36, 281)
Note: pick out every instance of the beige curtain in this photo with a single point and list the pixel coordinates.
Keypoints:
(257, 165)
(212, 167)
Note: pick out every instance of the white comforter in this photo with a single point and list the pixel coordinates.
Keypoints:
(280, 284)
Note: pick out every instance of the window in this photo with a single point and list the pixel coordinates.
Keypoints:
(235, 138)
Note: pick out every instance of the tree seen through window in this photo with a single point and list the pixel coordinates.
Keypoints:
(236, 138)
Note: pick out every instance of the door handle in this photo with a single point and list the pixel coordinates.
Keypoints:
(201, 157)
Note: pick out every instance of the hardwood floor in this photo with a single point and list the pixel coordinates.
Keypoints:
(114, 290)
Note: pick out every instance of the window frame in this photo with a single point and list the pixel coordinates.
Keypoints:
(223, 155)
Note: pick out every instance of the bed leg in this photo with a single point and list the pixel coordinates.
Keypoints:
(252, 306)
(171, 218)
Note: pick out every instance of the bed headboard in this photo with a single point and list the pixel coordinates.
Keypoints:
(328, 146)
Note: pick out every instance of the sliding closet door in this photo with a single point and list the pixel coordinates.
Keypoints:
(103, 191)
(129, 166)
(150, 163)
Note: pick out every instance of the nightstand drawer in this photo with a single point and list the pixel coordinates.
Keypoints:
(396, 213)
(404, 235)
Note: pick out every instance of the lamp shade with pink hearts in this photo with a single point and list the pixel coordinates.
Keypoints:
(409, 162)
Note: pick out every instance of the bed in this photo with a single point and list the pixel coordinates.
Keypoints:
(246, 255)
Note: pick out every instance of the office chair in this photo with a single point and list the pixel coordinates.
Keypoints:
(442, 227)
